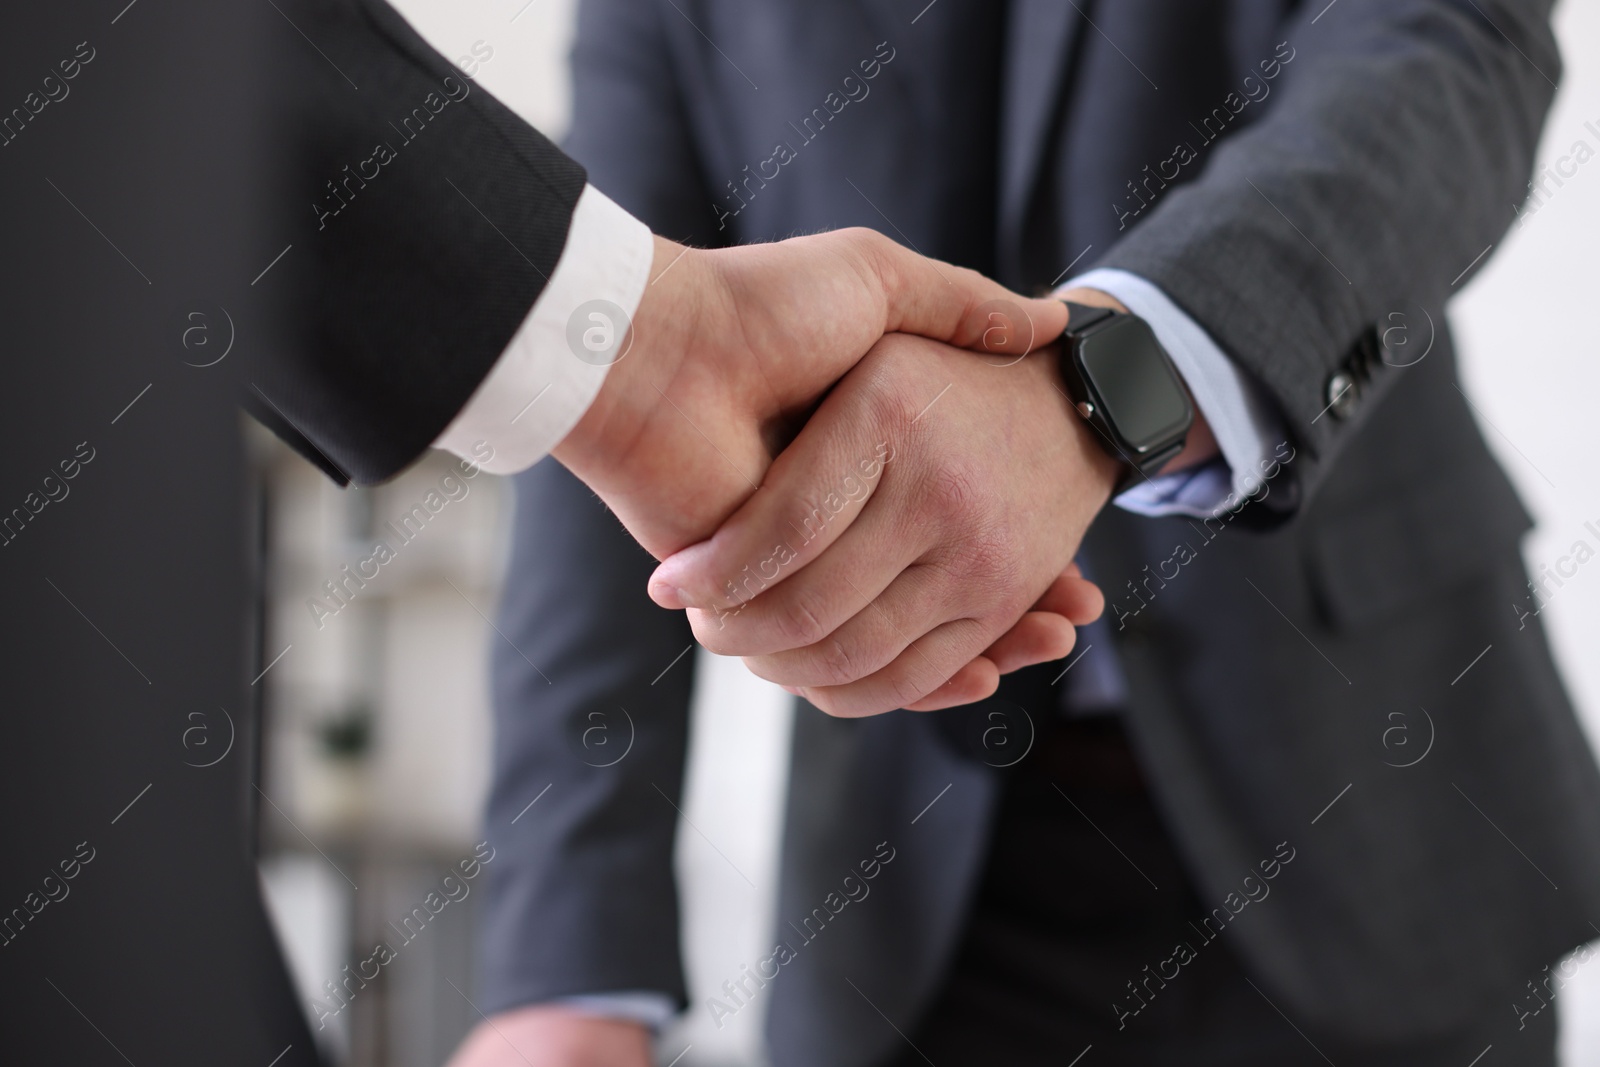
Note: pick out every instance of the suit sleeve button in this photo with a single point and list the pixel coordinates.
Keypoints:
(1341, 394)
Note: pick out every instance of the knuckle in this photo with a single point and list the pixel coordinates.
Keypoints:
(867, 235)
(979, 546)
(836, 665)
(871, 241)
(905, 689)
(993, 556)
(714, 632)
(799, 622)
(953, 492)
(872, 251)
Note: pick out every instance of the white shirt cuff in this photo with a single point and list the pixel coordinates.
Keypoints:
(1249, 434)
(647, 1009)
(539, 388)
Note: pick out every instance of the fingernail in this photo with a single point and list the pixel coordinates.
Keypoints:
(670, 596)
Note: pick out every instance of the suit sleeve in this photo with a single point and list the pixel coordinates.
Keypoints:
(591, 700)
(627, 90)
(1403, 134)
(423, 220)
(588, 905)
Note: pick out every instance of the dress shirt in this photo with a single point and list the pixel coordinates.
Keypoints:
(539, 388)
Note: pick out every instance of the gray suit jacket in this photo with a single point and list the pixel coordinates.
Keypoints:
(1270, 665)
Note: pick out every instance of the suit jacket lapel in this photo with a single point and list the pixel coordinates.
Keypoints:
(1039, 39)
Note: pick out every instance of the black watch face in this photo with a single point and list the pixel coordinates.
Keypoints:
(1138, 390)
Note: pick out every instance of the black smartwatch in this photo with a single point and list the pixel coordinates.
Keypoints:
(1123, 383)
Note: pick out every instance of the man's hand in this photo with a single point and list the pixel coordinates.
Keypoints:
(933, 498)
(731, 349)
(553, 1036)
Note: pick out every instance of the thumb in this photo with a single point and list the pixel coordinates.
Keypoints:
(960, 306)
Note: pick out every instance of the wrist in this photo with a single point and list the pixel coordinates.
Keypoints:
(657, 339)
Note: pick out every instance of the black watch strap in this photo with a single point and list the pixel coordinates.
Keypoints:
(1143, 470)
(1082, 317)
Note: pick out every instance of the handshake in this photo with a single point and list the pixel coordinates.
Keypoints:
(858, 466)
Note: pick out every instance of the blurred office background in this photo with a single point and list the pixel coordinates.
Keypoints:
(375, 756)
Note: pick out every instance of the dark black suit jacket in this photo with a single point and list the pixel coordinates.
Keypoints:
(1270, 653)
(165, 247)
(412, 283)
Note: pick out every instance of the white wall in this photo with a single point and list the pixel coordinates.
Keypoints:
(1531, 359)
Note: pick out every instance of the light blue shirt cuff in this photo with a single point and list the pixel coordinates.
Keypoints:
(1249, 434)
(639, 1006)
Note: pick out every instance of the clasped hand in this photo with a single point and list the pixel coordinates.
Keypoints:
(898, 539)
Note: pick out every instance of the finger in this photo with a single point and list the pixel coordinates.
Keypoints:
(837, 588)
(1037, 637)
(1049, 630)
(1077, 599)
(978, 680)
(926, 664)
(811, 494)
(909, 607)
(914, 603)
(961, 306)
